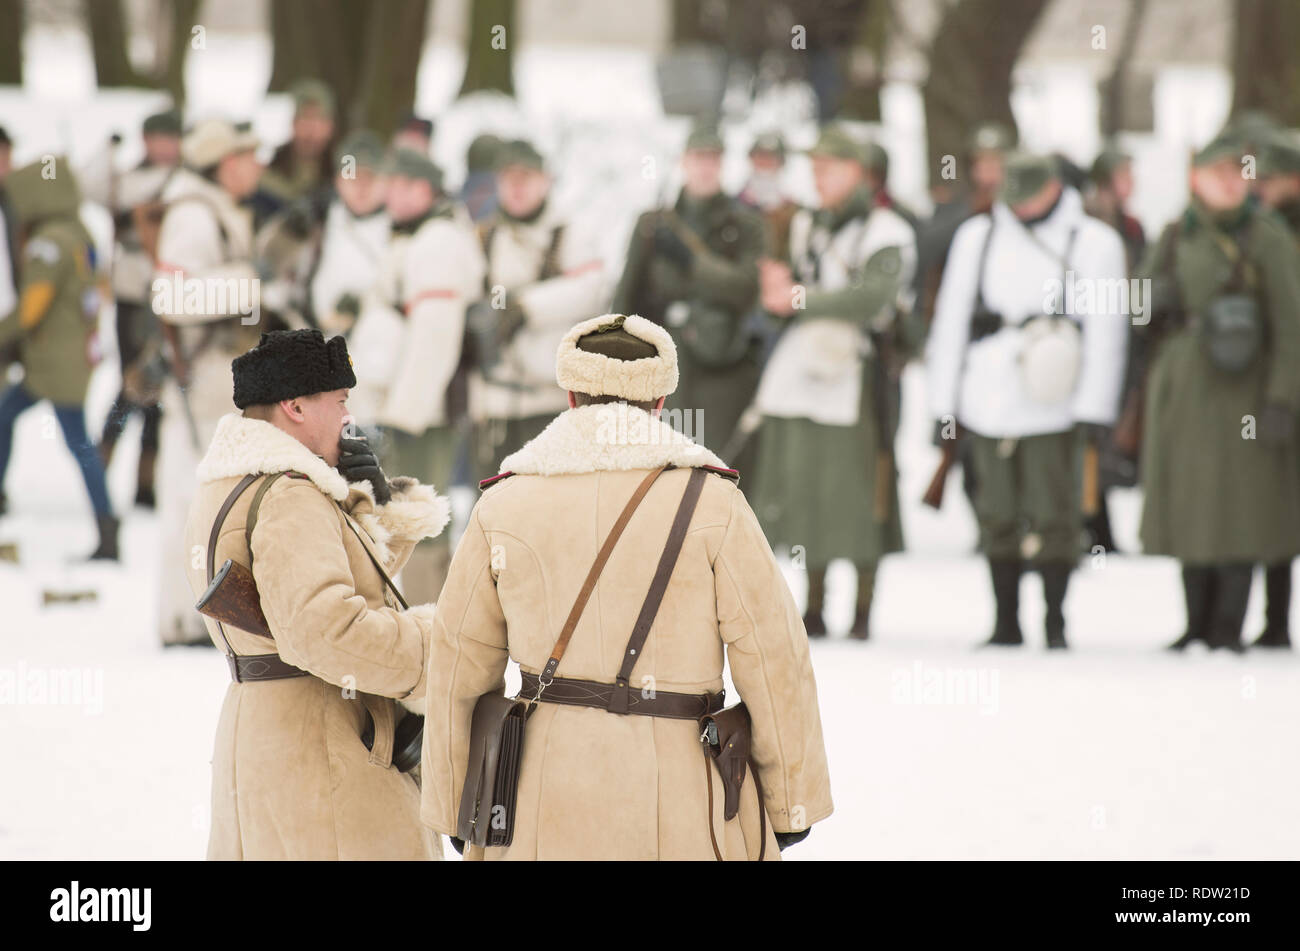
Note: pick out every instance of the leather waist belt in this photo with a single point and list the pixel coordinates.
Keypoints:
(589, 693)
(249, 667)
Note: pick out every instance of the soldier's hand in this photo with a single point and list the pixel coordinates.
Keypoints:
(786, 839)
(358, 462)
(1277, 425)
(669, 244)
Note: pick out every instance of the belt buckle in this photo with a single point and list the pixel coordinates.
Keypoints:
(232, 661)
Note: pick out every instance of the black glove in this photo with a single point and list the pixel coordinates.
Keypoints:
(786, 839)
(299, 219)
(511, 321)
(348, 303)
(669, 244)
(1277, 425)
(457, 844)
(357, 461)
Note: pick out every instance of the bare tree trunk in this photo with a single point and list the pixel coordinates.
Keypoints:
(489, 60)
(171, 73)
(390, 65)
(11, 42)
(1116, 86)
(106, 23)
(971, 61)
(1265, 66)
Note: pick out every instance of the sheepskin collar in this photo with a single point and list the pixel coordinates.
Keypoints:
(606, 436)
(243, 446)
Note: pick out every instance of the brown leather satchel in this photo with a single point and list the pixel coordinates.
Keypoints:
(487, 802)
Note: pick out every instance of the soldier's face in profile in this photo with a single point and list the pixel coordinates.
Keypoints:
(323, 418)
(986, 170)
(1220, 185)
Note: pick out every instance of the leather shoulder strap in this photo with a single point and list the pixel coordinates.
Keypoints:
(253, 508)
(571, 622)
(375, 561)
(215, 534)
(618, 701)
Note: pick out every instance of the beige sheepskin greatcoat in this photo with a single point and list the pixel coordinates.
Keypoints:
(291, 778)
(593, 784)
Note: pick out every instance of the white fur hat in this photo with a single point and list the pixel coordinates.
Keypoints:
(596, 374)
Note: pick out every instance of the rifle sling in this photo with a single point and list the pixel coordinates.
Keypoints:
(222, 512)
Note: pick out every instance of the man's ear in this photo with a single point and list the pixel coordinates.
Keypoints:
(572, 402)
(293, 409)
(659, 406)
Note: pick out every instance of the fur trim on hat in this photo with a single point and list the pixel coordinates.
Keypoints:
(606, 436)
(649, 378)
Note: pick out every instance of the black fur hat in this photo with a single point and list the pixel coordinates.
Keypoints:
(287, 364)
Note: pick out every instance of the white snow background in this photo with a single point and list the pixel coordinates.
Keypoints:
(1112, 750)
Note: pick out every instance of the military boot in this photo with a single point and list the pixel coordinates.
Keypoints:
(1006, 591)
(862, 613)
(1233, 591)
(1056, 578)
(107, 550)
(812, 617)
(1277, 586)
(144, 494)
(1198, 593)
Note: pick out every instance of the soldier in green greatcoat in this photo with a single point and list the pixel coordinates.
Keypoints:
(1220, 457)
(827, 485)
(1278, 188)
(693, 268)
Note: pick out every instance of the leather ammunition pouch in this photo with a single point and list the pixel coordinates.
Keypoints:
(1231, 331)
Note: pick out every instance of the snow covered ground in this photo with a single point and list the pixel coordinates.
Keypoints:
(1114, 750)
(937, 750)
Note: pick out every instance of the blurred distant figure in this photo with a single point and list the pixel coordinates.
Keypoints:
(206, 294)
(1110, 187)
(541, 278)
(765, 191)
(130, 198)
(877, 165)
(415, 134)
(1029, 377)
(693, 268)
(827, 482)
(355, 237)
(8, 253)
(409, 336)
(53, 322)
(479, 193)
(1220, 455)
(303, 164)
(1278, 188)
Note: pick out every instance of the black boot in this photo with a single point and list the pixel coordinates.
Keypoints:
(812, 617)
(1198, 593)
(1006, 591)
(107, 550)
(1277, 609)
(862, 613)
(1098, 528)
(1229, 611)
(144, 496)
(1056, 578)
(4, 502)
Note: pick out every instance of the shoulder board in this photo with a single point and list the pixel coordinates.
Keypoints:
(295, 475)
(493, 480)
(732, 474)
